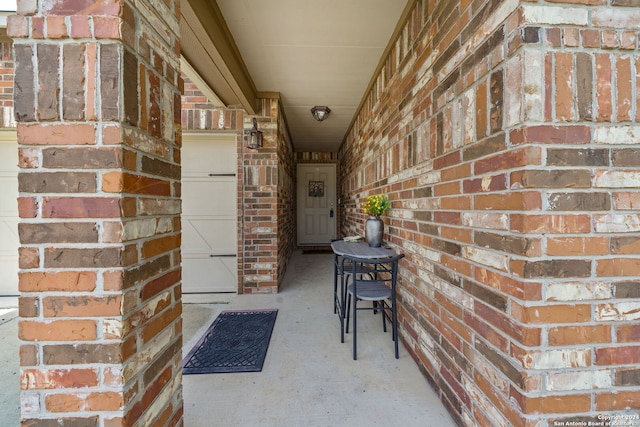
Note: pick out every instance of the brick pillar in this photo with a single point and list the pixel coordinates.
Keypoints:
(572, 96)
(506, 133)
(259, 197)
(98, 110)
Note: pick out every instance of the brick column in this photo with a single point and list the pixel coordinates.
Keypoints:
(506, 133)
(98, 110)
(573, 97)
(259, 198)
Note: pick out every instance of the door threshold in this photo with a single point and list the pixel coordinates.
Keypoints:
(316, 249)
(209, 298)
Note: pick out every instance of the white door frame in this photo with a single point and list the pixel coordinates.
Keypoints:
(330, 203)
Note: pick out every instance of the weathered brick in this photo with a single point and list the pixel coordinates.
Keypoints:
(109, 81)
(622, 400)
(579, 201)
(617, 267)
(627, 377)
(48, 79)
(67, 281)
(626, 289)
(626, 157)
(116, 182)
(81, 207)
(28, 306)
(584, 82)
(24, 92)
(81, 306)
(96, 401)
(508, 243)
(551, 179)
(82, 258)
(160, 168)
(579, 335)
(567, 404)
(28, 258)
(619, 355)
(564, 106)
(28, 355)
(68, 7)
(67, 232)
(579, 380)
(624, 88)
(508, 201)
(58, 330)
(552, 314)
(503, 365)
(73, 82)
(564, 268)
(78, 354)
(57, 182)
(43, 379)
(107, 27)
(577, 157)
(90, 421)
(160, 284)
(568, 246)
(27, 207)
(80, 27)
(497, 101)
(57, 134)
(131, 85)
(619, 311)
(81, 158)
(547, 134)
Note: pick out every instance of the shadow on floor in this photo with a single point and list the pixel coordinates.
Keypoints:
(309, 378)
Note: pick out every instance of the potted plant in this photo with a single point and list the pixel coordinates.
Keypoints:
(374, 206)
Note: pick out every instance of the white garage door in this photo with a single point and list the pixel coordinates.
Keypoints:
(209, 213)
(9, 241)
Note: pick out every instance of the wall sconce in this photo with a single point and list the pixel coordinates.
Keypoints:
(320, 112)
(254, 136)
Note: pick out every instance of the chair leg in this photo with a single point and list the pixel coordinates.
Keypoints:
(355, 327)
(344, 293)
(348, 312)
(394, 326)
(384, 316)
(337, 271)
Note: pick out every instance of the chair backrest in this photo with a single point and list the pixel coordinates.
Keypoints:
(377, 264)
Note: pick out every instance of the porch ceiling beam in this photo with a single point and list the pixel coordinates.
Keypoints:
(209, 47)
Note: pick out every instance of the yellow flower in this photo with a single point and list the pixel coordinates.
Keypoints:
(376, 205)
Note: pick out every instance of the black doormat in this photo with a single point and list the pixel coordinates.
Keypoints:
(317, 250)
(237, 341)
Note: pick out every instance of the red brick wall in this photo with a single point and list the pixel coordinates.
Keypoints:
(506, 135)
(97, 103)
(266, 183)
(287, 199)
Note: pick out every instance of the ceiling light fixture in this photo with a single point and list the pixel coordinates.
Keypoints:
(254, 136)
(320, 112)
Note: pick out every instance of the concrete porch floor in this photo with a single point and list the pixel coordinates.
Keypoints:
(309, 378)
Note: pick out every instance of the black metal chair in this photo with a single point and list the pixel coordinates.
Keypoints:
(378, 287)
(343, 269)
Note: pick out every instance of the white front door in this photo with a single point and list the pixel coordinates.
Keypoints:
(9, 241)
(316, 204)
(209, 213)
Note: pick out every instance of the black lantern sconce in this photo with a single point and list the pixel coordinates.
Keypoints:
(254, 136)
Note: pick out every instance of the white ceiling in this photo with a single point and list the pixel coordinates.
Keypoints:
(313, 53)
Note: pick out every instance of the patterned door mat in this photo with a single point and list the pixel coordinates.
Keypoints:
(237, 341)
